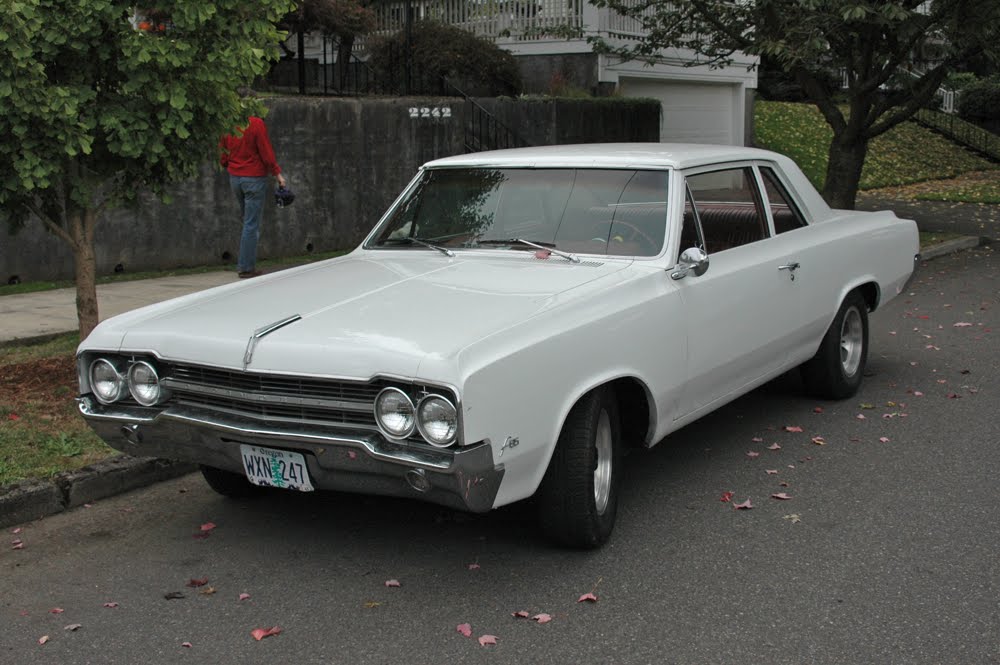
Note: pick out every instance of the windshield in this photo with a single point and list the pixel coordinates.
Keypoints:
(616, 212)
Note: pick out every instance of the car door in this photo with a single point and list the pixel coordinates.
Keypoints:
(739, 312)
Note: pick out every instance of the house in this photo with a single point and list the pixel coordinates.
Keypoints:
(699, 104)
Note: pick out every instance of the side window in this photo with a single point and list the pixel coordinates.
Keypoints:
(786, 216)
(729, 207)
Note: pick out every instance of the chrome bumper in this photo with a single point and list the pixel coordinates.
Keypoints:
(367, 463)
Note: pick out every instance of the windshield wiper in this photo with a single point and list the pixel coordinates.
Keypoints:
(547, 246)
(421, 242)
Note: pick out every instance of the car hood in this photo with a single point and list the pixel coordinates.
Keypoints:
(371, 312)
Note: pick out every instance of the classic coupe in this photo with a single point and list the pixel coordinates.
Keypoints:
(514, 320)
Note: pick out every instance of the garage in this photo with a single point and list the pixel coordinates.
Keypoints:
(693, 112)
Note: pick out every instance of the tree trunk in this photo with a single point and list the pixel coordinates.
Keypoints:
(85, 263)
(843, 173)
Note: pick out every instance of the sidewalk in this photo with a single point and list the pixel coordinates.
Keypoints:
(44, 313)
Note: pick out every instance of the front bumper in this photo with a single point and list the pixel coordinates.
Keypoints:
(364, 462)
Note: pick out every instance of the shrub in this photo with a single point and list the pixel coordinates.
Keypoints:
(980, 101)
(472, 63)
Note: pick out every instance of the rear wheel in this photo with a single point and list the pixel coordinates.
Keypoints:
(578, 497)
(836, 370)
(229, 484)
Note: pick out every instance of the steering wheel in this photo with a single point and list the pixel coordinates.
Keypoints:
(635, 234)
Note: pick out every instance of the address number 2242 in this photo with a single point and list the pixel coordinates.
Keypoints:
(430, 111)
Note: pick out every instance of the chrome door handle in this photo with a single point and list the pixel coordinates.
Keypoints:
(790, 267)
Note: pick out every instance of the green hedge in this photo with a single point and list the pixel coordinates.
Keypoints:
(980, 101)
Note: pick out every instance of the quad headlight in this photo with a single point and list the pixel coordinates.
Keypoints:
(144, 384)
(437, 420)
(394, 413)
(106, 381)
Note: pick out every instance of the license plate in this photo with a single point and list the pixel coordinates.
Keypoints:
(275, 468)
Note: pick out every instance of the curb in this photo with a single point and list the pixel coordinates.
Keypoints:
(35, 499)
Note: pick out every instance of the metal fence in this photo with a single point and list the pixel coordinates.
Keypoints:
(972, 136)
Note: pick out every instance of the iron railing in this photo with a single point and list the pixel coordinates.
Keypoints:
(971, 136)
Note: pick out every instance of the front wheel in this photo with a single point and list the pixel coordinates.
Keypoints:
(578, 497)
(836, 370)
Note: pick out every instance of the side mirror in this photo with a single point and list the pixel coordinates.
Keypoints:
(693, 260)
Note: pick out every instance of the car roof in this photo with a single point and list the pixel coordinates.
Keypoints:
(608, 155)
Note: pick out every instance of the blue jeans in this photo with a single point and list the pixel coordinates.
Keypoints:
(250, 193)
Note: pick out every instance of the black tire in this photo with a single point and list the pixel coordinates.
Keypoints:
(570, 512)
(835, 372)
(230, 484)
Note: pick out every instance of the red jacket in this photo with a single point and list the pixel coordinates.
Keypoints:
(248, 151)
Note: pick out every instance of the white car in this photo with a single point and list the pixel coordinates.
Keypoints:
(513, 321)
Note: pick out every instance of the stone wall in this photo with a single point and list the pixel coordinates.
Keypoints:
(345, 159)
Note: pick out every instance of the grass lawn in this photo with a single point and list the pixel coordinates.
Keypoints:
(906, 154)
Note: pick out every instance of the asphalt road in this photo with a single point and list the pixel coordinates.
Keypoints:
(886, 552)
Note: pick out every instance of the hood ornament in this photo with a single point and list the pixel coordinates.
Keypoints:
(261, 332)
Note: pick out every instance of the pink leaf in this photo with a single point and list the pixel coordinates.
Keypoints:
(16, 531)
(261, 633)
(818, 409)
(473, 566)
(860, 416)
(962, 324)
(208, 526)
(819, 441)
(781, 496)
(14, 416)
(520, 614)
(543, 254)
(746, 505)
(771, 472)
(884, 439)
(917, 393)
(487, 639)
(72, 627)
(352, 455)
(17, 545)
(757, 439)
(589, 597)
(43, 639)
(244, 596)
(56, 610)
(753, 454)
(392, 583)
(792, 428)
(542, 618)
(465, 629)
(111, 605)
(726, 497)
(196, 582)
(774, 446)
(186, 645)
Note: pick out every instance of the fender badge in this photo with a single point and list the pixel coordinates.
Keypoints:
(511, 442)
(261, 332)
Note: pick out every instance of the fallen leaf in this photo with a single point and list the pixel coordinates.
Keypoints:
(261, 633)
(473, 566)
(819, 441)
(43, 639)
(726, 497)
(13, 416)
(781, 496)
(72, 627)
(520, 614)
(56, 610)
(774, 446)
(792, 428)
(771, 472)
(208, 526)
(16, 531)
(884, 439)
(207, 591)
(196, 582)
(746, 505)
(589, 597)
(352, 455)
(753, 454)
(186, 645)
(866, 405)
(392, 583)
(757, 439)
(465, 629)
(173, 595)
(542, 618)
(487, 639)
(954, 396)
(111, 605)
(818, 409)
(17, 545)
(795, 519)
(372, 604)
(860, 416)
(244, 596)
(962, 324)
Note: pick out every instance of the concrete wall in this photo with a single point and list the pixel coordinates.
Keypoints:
(345, 159)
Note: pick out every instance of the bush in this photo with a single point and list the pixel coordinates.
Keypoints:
(980, 101)
(475, 65)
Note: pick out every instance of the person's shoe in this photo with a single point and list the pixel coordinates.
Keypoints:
(250, 273)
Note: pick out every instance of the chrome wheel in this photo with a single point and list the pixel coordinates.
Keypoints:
(852, 340)
(603, 444)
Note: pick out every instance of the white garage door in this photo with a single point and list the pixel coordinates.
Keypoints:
(692, 112)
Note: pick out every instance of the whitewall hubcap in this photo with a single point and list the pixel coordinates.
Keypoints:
(602, 472)
(852, 340)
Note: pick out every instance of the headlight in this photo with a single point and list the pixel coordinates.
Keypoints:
(106, 382)
(394, 413)
(437, 420)
(144, 383)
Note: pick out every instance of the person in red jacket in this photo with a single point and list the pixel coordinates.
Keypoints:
(249, 158)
